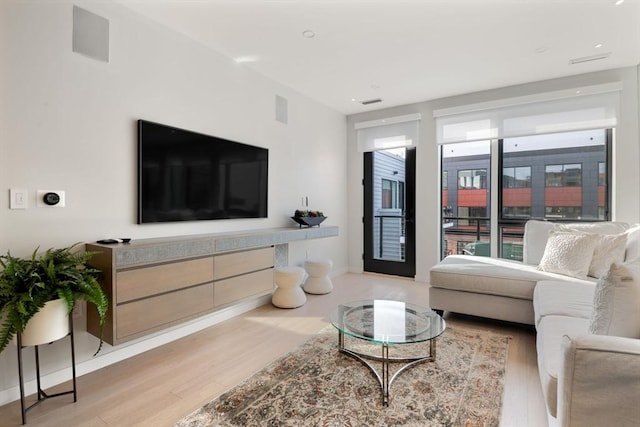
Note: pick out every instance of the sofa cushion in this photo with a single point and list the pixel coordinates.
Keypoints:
(554, 298)
(568, 253)
(609, 249)
(633, 243)
(616, 304)
(536, 234)
(493, 276)
(534, 240)
(550, 330)
(598, 227)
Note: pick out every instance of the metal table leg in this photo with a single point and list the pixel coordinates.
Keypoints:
(384, 379)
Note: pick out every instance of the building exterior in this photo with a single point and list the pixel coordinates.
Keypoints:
(388, 204)
(538, 180)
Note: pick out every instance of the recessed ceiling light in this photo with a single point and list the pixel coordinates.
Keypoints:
(308, 34)
(598, 46)
(619, 2)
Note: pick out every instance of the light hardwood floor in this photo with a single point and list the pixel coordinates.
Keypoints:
(161, 386)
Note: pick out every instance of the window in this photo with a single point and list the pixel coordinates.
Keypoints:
(558, 186)
(516, 190)
(468, 164)
(473, 179)
(602, 213)
(602, 191)
(392, 194)
(471, 212)
(516, 211)
(540, 178)
(568, 175)
(516, 177)
(563, 212)
(602, 174)
(564, 166)
(389, 193)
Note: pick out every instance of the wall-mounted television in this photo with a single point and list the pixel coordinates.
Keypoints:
(188, 176)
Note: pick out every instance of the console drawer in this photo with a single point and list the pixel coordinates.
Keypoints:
(143, 282)
(234, 264)
(157, 312)
(239, 287)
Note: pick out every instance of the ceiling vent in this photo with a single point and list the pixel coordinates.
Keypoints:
(590, 58)
(371, 101)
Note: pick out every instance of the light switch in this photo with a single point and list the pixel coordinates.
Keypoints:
(18, 198)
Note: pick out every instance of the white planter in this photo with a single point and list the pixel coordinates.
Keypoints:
(49, 324)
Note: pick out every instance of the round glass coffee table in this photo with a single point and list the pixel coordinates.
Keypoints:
(388, 323)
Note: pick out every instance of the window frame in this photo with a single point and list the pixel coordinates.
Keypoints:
(503, 226)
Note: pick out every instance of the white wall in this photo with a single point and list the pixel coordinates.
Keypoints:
(626, 195)
(68, 123)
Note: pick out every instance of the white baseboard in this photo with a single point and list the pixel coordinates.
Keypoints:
(134, 348)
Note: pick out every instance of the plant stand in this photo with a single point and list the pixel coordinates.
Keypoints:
(42, 396)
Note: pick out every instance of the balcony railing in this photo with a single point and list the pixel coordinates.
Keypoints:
(389, 233)
(472, 236)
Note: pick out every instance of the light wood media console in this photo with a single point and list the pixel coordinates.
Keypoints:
(156, 283)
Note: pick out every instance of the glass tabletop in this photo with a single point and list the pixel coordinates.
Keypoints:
(387, 322)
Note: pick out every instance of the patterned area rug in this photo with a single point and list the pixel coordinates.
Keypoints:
(315, 385)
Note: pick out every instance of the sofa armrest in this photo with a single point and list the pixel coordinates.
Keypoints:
(599, 381)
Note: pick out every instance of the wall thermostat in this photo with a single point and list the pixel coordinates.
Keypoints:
(50, 199)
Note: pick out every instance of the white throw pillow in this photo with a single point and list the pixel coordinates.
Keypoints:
(609, 249)
(568, 253)
(633, 244)
(616, 302)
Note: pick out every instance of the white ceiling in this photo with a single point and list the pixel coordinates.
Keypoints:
(405, 51)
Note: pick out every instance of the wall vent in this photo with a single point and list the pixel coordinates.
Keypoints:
(90, 34)
(282, 109)
(371, 101)
(590, 58)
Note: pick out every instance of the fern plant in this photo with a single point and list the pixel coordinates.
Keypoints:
(27, 284)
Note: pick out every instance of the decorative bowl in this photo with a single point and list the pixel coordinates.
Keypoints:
(308, 221)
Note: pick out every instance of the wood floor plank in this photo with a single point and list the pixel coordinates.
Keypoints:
(160, 386)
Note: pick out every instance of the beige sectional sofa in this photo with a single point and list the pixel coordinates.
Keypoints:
(587, 379)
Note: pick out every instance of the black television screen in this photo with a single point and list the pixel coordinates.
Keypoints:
(187, 176)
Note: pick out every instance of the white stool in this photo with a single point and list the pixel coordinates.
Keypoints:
(318, 281)
(288, 293)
